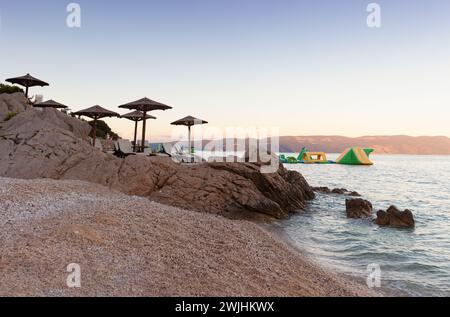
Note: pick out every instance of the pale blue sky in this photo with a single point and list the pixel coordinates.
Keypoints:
(308, 67)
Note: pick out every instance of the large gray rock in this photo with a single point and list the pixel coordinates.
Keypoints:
(29, 120)
(12, 103)
(50, 144)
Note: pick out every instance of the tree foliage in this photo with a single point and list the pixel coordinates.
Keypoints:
(8, 89)
(103, 129)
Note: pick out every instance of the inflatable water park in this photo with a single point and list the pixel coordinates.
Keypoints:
(351, 156)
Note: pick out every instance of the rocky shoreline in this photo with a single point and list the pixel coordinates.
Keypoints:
(49, 144)
(142, 226)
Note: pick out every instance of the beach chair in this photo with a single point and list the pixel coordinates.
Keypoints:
(167, 148)
(159, 150)
(123, 148)
(98, 145)
(176, 153)
(147, 149)
(177, 149)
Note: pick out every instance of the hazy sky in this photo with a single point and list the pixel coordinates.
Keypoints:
(307, 67)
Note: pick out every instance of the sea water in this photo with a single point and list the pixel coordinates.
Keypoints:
(413, 262)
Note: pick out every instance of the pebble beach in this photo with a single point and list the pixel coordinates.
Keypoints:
(131, 246)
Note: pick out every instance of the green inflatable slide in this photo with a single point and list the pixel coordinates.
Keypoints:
(355, 156)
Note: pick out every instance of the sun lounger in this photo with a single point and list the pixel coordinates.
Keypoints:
(177, 154)
(167, 148)
(147, 148)
(123, 148)
(147, 151)
(98, 145)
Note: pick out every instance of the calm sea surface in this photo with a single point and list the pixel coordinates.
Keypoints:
(413, 262)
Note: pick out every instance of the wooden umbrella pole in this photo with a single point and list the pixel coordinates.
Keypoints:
(135, 135)
(143, 129)
(95, 130)
(190, 146)
(26, 92)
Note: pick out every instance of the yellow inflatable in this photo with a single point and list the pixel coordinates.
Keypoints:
(314, 158)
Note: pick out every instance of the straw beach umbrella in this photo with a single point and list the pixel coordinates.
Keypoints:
(189, 121)
(145, 105)
(136, 116)
(50, 104)
(27, 81)
(96, 112)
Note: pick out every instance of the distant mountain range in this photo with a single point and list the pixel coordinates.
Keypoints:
(397, 144)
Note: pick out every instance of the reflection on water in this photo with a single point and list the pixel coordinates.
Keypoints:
(414, 262)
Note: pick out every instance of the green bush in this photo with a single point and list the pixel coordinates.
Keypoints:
(7, 89)
(10, 115)
(103, 129)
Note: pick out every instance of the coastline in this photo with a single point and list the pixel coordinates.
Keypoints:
(130, 246)
(345, 279)
(357, 281)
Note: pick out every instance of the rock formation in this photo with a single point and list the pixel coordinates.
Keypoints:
(12, 103)
(338, 191)
(395, 218)
(358, 208)
(49, 144)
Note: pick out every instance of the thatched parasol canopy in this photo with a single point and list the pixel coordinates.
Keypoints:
(145, 105)
(189, 121)
(27, 81)
(50, 104)
(136, 116)
(96, 112)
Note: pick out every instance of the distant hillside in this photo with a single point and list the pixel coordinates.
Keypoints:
(398, 144)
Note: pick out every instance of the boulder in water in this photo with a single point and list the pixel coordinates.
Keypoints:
(395, 218)
(358, 208)
(337, 191)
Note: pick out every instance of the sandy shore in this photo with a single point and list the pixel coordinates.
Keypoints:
(130, 246)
